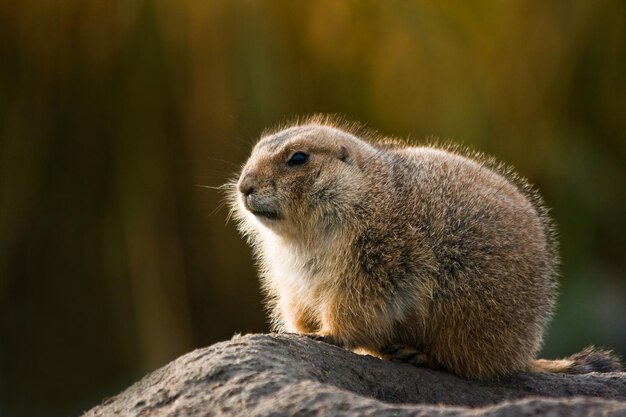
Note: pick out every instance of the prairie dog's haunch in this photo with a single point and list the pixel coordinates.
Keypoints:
(415, 254)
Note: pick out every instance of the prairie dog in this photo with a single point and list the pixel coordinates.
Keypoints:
(413, 254)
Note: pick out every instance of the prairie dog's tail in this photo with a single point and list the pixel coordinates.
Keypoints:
(587, 360)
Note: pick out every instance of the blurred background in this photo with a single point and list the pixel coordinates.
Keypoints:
(113, 259)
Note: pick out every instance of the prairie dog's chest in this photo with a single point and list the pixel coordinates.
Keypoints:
(305, 274)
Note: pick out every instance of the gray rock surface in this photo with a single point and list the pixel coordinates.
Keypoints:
(289, 375)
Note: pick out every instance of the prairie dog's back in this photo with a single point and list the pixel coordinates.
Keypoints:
(494, 285)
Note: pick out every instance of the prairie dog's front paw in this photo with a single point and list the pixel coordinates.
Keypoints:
(323, 338)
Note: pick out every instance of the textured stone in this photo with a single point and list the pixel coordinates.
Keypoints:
(289, 375)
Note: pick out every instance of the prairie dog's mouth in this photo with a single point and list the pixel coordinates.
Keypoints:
(272, 215)
(261, 208)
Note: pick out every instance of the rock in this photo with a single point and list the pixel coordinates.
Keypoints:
(287, 375)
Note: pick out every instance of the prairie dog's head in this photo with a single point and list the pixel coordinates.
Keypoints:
(301, 180)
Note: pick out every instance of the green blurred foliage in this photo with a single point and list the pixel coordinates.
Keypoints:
(113, 261)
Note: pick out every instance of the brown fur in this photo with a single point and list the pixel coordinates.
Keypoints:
(417, 254)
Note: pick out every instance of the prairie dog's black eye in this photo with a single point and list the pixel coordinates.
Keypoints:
(298, 158)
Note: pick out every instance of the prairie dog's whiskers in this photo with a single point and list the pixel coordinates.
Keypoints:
(213, 187)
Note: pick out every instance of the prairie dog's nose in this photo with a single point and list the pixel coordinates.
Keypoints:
(246, 185)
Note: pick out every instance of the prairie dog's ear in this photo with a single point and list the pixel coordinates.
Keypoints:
(343, 154)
